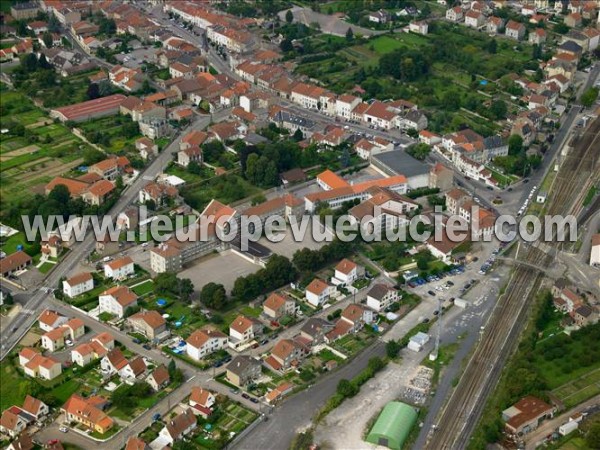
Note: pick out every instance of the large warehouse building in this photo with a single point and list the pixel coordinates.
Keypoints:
(92, 109)
(393, 425)
(397, 162)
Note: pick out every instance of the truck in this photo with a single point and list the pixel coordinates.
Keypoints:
(567, 428)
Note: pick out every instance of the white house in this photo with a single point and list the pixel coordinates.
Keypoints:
(202, 343)
(381, 296)
(455, 14)
(345, 104)
(78, 284)
(595, 250)
(243, 330)
(346, 272)
(119, 268)
(175, 429)
(116, 300)
(318, 292)
(49, 320)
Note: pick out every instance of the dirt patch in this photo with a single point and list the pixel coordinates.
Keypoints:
(41, 123)
(53, 168)
(30, 339)
(22, 151)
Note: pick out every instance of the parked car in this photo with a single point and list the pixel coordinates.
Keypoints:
(63, 429)
(246, 396)
(431, 293)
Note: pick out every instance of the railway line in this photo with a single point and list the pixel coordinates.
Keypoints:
(462, 411)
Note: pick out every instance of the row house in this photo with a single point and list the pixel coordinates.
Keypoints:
(284, 118)
(237, 41)
(96, 348)
(255, 100)
(345, 104)
(86, 412)
(308, 96)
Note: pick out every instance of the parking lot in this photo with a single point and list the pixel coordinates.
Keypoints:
(135, 58)
(288, 246)
(222, 268)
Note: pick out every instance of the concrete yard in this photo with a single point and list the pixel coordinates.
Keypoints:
(222, 268)
(288, 246)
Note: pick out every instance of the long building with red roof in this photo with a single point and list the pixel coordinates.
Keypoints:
(92, 109)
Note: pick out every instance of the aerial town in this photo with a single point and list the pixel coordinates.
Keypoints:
(281, 224)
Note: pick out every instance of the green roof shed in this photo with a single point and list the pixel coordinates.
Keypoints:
(393, 425)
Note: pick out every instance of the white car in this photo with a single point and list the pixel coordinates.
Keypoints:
(63, 429)
(69, 343)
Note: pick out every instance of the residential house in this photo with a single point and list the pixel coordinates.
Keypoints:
(381, 296)
(49, 320)
(159, 378)
(189, 155)
(146, 147)
(495, 25)
(90, 351)
(318, 292)
(202, 343)
(243, 370)
(278, 305)
(243, 330)
(161, 194)
(347, 272)
(201, 401)
(14, 262)
(585, 315)
(537, 36)
(12, 423)
(353, 318)
(573, 20)
(314, 330)
(285, 354)
(78, 284)
(35, 365)
(136, 443)
(345, 104)
(455, 14)
(149, 323)
(116, 300)
(441, 177)
(419, 27)
(85, 412)
(515, 30)
(24, 10)
(474, 19)
(178, 427)
(454, 199)
(279, 391)
(119, 269)
(380, 16)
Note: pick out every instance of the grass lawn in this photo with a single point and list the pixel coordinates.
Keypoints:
(46, 267)
(63, 391)
(14, 387)
(144, 288)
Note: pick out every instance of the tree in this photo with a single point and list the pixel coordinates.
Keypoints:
(60, 193)
(289, 17)
(47, 38)
(30, 63)
(499, 109)
(93, 91)
(392, 348)
(213, 295)
(515, 144)
(172, 367)
(298, 135)
(194, 167)
(492, 46)
(186, 288)
(592, 437)
(589, 97)
(345, 158)
(349, 35)
(346, 388)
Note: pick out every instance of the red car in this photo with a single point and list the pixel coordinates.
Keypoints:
(53, 441)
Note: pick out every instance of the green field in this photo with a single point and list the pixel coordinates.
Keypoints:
(144, 288)
(33, 155)
(579, 390)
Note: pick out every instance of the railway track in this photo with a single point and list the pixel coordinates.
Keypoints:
(462, 411)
